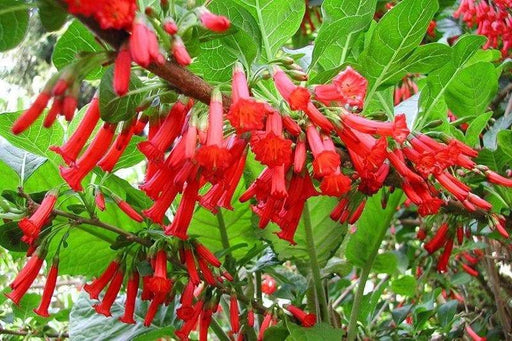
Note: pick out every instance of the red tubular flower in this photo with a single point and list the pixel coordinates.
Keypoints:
(122, 71)
(397, 129)
(474, 336)
(460, 235)
(472, 260)
(179, 51)
(442, 265)
(185, 311)
(250, 317)
(476, 200)
(204, 322)
(397, 160)
(49, 288)
(131, 296)
(468, 269)
(422, 234)
(117, 14)
(32, 113)
(348, 87)
(439, 239)
(206, 254)
(326, 161)
(187, 327)
(207, 274)
(99, 199)
(299, 156)
(69, 105)
(495, 178)
(267, 319)
(126, 208)
(239, 88)
(499, 223)
(356, 214)
(234, 314)
(32, 226)
(247, 114)
(159, 284)
(157, 212)
(307, 320)
(110, 295)
(25, 278)
(146, 294)
(98, 147)
(110, 159)
(170, 26)
(52, 114)
(70, 150)
(214, 157)
(270, 147)
(452, 185)
(191, 266)
(156, 301)
(143, 43)
(335, 184)
(215, 23)
(101, 282)
(268, 285)
(181, 222)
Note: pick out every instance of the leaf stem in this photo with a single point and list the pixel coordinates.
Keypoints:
(223, 232)
(219, 332)
(315, 268)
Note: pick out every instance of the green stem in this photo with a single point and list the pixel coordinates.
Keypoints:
(223, 232)
(259, 293)
(315, 268)
(219, 332)
(358, 299)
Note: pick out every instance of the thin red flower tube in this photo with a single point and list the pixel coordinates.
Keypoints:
(307, 320)
(49, 288)
(32, 226)
(126, 208)
(97, 286)
(32, 113)
(111, 294)
(131, 296)
(234, 314)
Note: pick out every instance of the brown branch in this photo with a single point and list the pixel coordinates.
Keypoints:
(25, 333)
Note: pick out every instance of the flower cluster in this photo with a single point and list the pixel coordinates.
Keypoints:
(491, 19)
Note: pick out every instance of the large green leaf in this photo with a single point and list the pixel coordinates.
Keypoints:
(21, 161)
(472, 89)
(370, 226)
(10, 237)
(52, 15)
(86, 324)
(397, 34)
(13, 23)
(76, 39)
(327, 234)
(278, 20)
(114, 108)
(320, 331)
(343, 22)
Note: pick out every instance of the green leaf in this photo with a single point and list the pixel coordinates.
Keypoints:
(276, 333)
(238, 224)
(9, 179)
(131, 155)
(320, 331)
(372, 222)
(343, 22)
(277, 20)
(475, 128)
(85, 324)
(24, 310)
(397, 34)
(14, 18)
(327, 234)
(504, 141)
(52, 15)
(10, 237)
(22, 162)
(114, 108)
(36, 139)
(405, 286)
(385, 263)
(446, 312)
(472, 89)
(491, 136)
(76, 39)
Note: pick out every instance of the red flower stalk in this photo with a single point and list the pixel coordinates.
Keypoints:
(32, 113)
(453, 185)
(472, 260)
(299, 155)
(214, 157)
(439, 239)
(126, 208)
(270, 147)
(179, 51)
(206, 254)
(131, 297)
(166, 134)
(307, 320)
(442, 265)
(234, 314)
(474, 336)
(101, 282)
(159, 284)
(348, 87)
(99, 199)
(245, 114)
(397, 129)
(191, 266)
(250, 317)
(495, 178)
(144, 44)
(468, 269)
(170, 26)
(32, 226)
(122, 71)
(181, 222)
(264, 325)
(52, 114)
(297, 97)
(215, 23)
(49, 288)
(98, 147)
(111, 294)
(70, 150)
(397, 160)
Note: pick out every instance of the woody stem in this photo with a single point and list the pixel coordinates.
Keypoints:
(315, 268)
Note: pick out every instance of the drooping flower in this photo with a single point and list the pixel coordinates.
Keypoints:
(26, 277)
(159, 284)
(32, 226)
(215, 23)
(144, 44)
(131, 296)
(101, 282)
(439, 239)
(348, 87)
(181, 222)
(116, 14)
(127, 208)
(234, 314)
(270, 147)
(32, 113)
(179, 51)
(111, 294)
(122, 70)
(49, 288)
(307, 320)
